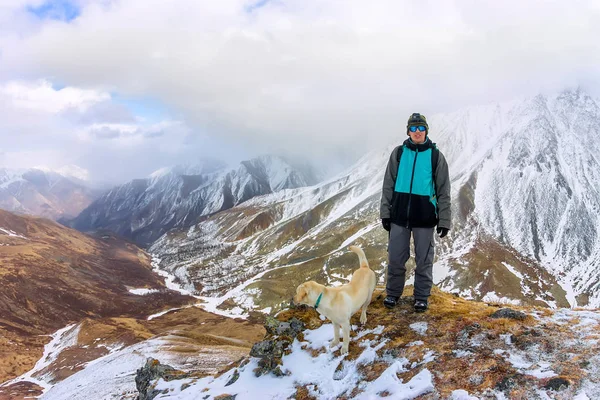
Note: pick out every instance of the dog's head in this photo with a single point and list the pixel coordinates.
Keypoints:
(305, 293)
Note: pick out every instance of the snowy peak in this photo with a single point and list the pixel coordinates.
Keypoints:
(45, 192)
(205, 167)
(274, 173)
(537, 180)
(144, 209)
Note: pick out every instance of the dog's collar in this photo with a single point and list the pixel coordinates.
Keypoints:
(318, 300)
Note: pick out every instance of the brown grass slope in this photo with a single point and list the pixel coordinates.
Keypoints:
(53, 276)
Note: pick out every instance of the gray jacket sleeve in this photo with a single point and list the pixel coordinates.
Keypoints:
(389, 182)
(442, 190)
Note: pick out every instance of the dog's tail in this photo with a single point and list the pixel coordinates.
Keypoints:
(361, 256)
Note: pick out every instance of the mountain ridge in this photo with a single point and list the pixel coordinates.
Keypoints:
(144, 209)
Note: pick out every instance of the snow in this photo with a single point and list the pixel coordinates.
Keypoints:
(492, 297)
(358, 234)
(10, 176)
(142, 291)
(11, 233)
(67, 171)
(319, 374)
(419, 327)
(61, 339)
(109, 375)
(462, 395)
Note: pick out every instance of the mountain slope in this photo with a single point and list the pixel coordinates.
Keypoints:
(536, 185)
(52, 276)
(44, 193)
(144, 209)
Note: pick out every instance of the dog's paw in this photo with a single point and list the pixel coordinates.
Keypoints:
(334, 343)
(363, 319)
(344, 349)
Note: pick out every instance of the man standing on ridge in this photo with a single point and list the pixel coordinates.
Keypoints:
(415, 198)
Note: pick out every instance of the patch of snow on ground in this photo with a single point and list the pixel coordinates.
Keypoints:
(492, 297)
(462, 395)
(320, 374)
(419, 327)
(12, 233)
(61, 339)
(142, 291)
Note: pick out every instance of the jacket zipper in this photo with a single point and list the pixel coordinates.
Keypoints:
(412, 178)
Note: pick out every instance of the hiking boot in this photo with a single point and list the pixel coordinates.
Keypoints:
(420, 305)
(390, 301)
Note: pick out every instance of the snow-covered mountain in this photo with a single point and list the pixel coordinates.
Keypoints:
(144, 209)
(525, 201)
(45, 192)
(533, 171)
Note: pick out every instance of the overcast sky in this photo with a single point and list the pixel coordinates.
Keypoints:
(124, 87)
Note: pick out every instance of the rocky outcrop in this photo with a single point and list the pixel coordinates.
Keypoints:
(150, 373)
(279, 336)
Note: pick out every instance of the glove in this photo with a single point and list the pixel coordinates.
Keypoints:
(442, 231)
(386, 223)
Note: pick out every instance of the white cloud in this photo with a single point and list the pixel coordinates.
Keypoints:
(322, 77)
(40, 96)
(43, 126)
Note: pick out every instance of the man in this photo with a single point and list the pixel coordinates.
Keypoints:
(415, 198)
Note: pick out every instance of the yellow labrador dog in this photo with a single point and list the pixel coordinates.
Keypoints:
(338, 304)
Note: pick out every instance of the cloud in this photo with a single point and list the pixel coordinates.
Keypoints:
(44, 126)
(324, 78)
(41, 96)
(131, 134)
(100, 112)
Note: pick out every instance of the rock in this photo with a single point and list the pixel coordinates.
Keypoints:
(476, 380)
(464, 335)
(233, 378)
(267, 349)
(151, 372)
(270, 353)
(226, 397)
(509, 313)
(510, 382)
(271, 324)
(185, 386)
(557, 384)
(290, 328)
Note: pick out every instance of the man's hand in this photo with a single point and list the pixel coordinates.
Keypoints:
(386, 223)
(442, 231)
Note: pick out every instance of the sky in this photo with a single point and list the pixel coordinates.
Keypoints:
(125, 87)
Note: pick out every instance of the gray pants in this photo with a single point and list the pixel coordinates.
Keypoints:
(399, 253)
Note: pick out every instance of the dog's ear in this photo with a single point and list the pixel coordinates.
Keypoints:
(301, 292)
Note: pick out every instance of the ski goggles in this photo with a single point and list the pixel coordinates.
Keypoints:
(414, 128)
